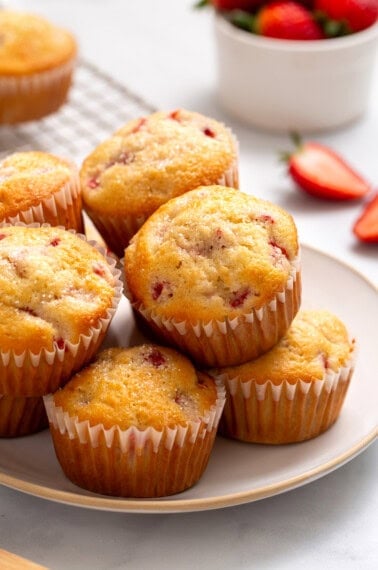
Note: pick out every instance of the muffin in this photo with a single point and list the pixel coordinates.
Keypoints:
(215, 272)
(37, 60)
(58, 294)
(147, 162)
(137, 422)
(21, 416)
(40, 187)
(296, 390)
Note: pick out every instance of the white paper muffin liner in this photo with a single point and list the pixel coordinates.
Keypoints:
(32, 96)
(228, 342)
(284, 413)
(134, 462)
(30, 375)
(62, 208)
(21, 416)
(117, 231)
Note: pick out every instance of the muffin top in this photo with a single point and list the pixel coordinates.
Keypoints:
(143, 386)
(153, 159)
(30, 44)
(27, 178)
(211, 253)
(317, 342)
(53, 287)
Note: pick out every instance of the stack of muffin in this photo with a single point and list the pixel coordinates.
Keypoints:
(215, 274)
(212, 273)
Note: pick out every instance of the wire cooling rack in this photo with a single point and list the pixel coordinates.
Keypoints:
(97, 106)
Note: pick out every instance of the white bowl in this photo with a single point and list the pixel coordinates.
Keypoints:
(282, 85)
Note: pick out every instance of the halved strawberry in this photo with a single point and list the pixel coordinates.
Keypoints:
(288, 20)
(366, 226)
(321, 172)
(357, 15)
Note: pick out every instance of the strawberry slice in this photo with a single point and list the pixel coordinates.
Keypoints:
(321, 172)
(366, 226)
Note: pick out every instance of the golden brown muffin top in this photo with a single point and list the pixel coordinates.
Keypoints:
(211, 253)
(27, 178)
(317, 342)
(143, 386)
(30, 44)
(53, 287)
(153, 159)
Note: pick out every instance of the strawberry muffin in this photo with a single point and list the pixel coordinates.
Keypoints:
(37, 60)
(216, 273)
(58, 294)
(137, 422)
(147, 162)
(296, 390)
(40, 187)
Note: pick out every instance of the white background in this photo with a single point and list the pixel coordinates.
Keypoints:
(165, 52)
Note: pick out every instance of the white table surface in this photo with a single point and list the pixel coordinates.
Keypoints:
(165, 52)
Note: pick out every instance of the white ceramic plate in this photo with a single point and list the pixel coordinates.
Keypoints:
(237, 472)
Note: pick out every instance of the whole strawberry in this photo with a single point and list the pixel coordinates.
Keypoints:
(287, 20)
(357, 15)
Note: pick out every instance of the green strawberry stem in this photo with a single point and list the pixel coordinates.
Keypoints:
(243, 20)
(331, 28)
(297, 139)
(201, 3)
(286, 155)
(335, 29)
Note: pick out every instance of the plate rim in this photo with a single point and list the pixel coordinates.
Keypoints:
(167, 505)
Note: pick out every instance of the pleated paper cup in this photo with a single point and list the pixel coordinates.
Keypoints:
(118, 229)
(21, 416)
(133, 462)
(30, 375)
(284, 413)
(228, 342)
(62, 208)
(115, 231)
(30, 97)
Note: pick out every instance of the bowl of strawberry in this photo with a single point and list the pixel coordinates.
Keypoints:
(304, 65)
